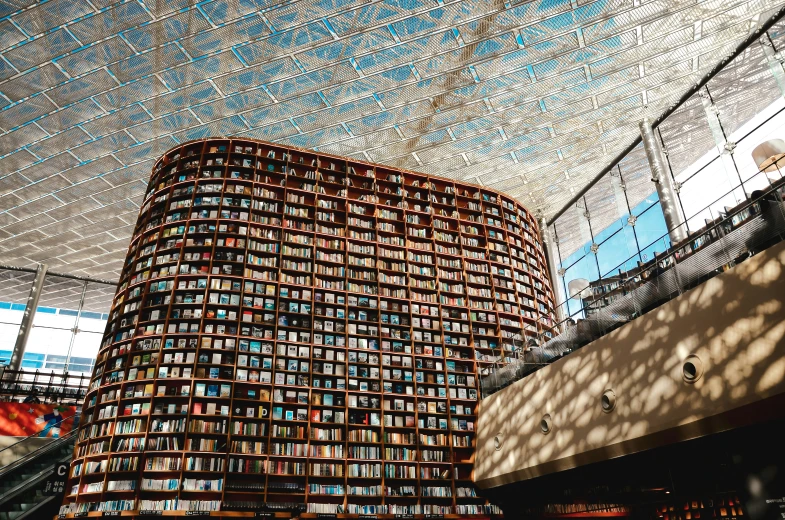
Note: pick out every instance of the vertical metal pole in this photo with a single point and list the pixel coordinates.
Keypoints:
(664, 182)
(631, 219)
(553, 270)
(75, 330)
(27, 318)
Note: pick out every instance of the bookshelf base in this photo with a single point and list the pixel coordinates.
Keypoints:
(271, 516)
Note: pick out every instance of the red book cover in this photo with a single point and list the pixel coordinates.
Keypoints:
(315, 416)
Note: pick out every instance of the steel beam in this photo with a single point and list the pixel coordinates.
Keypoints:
(27, 318)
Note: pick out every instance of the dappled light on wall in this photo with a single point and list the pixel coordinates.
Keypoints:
(685, 370)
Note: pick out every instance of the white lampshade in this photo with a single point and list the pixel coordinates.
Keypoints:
(768, 153)
(578, 288)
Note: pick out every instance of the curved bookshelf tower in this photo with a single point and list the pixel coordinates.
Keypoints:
(296, 332)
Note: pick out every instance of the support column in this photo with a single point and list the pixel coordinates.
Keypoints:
(553, 269)
(27, 318)
(666, 190)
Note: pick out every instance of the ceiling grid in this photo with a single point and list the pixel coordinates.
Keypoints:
(531, 97)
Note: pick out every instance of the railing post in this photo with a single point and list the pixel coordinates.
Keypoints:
(664, 183)
(27, 318)
(14, 382)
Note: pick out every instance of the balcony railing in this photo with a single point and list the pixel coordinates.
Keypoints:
(734, 236)
(42, 386)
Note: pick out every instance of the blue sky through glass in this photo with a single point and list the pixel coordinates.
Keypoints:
(618, 249)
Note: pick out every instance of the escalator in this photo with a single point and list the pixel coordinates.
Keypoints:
(23, 483)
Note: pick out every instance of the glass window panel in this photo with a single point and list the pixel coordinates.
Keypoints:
(14, 289)
(61, 293)
(8, 335)
(688, 139)
(583, 269)
(618, 251)
(52, 324)
(51, 332)
(31, 364)
(98, 299)
(705, 194)
(768, 124)
(85, 346)
(760, 181)
(608, 232)
(652, 232)
(606, 206)
(47, 340)
(92, 325)
(636, 174)
(749, 103)
(743, 89)
(572, 233)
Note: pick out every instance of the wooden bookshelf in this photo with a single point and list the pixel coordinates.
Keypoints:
(301, 333)
(724, 505)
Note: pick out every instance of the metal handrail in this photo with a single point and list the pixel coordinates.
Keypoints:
(776, 185)
(24, 485)
(36, 507)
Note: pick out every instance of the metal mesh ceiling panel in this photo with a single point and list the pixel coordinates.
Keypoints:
(530, 97)
(57, 292)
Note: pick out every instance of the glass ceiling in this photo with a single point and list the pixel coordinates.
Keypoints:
(530, 98)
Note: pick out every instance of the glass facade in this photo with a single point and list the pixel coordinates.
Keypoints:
(56, 342)
(708, 142)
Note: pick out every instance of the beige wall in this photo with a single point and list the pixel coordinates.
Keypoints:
(735, 323)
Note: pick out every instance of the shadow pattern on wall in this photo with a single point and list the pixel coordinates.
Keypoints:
(734, 323)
